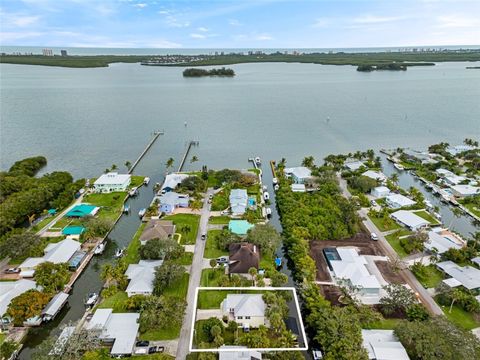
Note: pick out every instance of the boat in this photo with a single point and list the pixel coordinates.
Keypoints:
(264, 187)
(398, 166)
(428, 204)
(278, 262)
(275, 181)
(119, 253)
(99, 249)
(266, 196)
(133, 192)
(126, 209)
(276, 187)
(146, 181)
(269, 212)
(91, 299)
(258, 161)
(142, 212)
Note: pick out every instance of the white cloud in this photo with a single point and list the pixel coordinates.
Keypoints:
(202, 29)
(457, 21)
(374, 19)
(140, 5)
(24, 20)
(197, 36)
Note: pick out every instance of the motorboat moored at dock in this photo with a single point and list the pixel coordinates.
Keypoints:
(99, 249)
(126, 209)
(142, 212)
(266, 196)
(91, 299)
(146, 181)
(258, 161)
(398, 166)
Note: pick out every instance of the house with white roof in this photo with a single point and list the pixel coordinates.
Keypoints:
(397, 201)
(172, 181)
(238, 353)
(419, 156)
(119, 329)
(462, 191)
(298, 174)
(457, 149)
(466, 276)
(248, 310)
(298, 188)
(349, 266)
(454, 180)
(56, 253)
(238, 201)
(111, 182)
(354, 165)
(375, 175)
(9, 290)
(383, 345)
(141, 277)
(172, 200)
(476, 260)
(442, 240)
(380, 191)
(409, 219)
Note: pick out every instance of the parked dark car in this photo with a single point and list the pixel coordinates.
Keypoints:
(142, 343)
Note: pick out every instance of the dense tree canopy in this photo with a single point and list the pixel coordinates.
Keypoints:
(156, 249)
(27, 305)
(22, 245)
(161, 312)
(52, 277)
(166, 275)
(265, 236)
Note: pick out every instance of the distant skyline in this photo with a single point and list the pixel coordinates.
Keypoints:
(239, 24)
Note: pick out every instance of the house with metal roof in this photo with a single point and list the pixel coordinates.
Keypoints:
(172, 181)
(157, 229)
(239, 227)
(73, 230)
(354, 165)
(172, 200)
(238, 201)
(116, 329)
(380, 191)
(442, 240)
(383, 345)
(247, 310)
(141, 277)
(375, 175)
(466, 276)
(11, 289)
(111, 182)
(82, 210)
(409, 219)
(54, 306)
(462, 191)
(238, 353)
(298, 188)
(299, 174)
(397, 201)
(243, 256)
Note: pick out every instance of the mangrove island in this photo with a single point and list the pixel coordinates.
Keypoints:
(192, 72)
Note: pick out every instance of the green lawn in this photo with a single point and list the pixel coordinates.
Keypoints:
(431, 278)
(460, 317)
(184, 222)
(111, 204)
(473, 208)
(115, 302)
(136, 181)
(2, 337)
(384, 324)
(394, 241)
(211, 249)
(211, 277)
(169, 333)
(132, 256)
(221, 200)
(211, 299)
(179, 289)
(42, 223)
(425, 215)
(267, 263)
(185, 259)
(160, 356)
(385, 224)
(219, 220)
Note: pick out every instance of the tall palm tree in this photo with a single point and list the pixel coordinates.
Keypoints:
(128, 165)
(394, 179)
(169, 163)
(114, 167)
(308, 161)
(194, 159)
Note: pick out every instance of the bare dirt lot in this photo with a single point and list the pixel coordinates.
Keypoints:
(388, 273)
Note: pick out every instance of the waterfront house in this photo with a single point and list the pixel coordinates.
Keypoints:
(239, 353)
(141, 277)
(457, 149)
(116, 329)
(10, 290)
(157, 229)
(239, 227)
(397, 201)
(247, 310)
(383, 345)
(299, 174)
(54, 306)
(466, 276)
(82, 210)
(375, 175)
(73, 231)
(443, 240)
(243, 256)
(409, 219)
(298, 188)
(354, 165)
(380, 191)
(238, 201)
(172, 200)
(172, 181)
(111, 182)
(462, 191)
(418, 156)
(476, 260)
(56, 253)
(454, 180)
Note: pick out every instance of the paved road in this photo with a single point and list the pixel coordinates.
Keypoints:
(423, 294)
(194, 282)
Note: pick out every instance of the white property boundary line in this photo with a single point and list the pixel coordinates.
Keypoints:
(253, 288)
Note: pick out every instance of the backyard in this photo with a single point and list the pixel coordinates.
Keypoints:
(110, 204)
(460, 317)
(384, 223)
(394, 241)
(187, 226)
(425, 215)
(211, 247)
(430, 278)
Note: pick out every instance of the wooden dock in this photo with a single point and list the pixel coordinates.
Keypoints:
(272, 166)
(189, 146)
(156, 134)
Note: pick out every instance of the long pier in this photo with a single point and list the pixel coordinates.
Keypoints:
(156, 134)
(189, 146)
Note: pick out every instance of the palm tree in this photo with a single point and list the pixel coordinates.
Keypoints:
(252, 272)
(169, 163)
(456, 295)
(394, 179)
(193, 159)
(308, 161)
(196, 205)
(114, 167)
(107, 170)
(128, 165)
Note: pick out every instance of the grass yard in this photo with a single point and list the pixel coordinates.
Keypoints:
(170, 333)
(460, 317)
(132, 256)
(136, 181)
(185, 259)
(211, 277)
(187, 226)
(385, 224)
(42, 223)
(110, 204)
(219, 220)
(160, 356)
(473, 208)
(431, 278)
(384, 324)
(221, 200)
(394, 241)
(211, 249)
(115, 302)
(425, 215)
(211, 299)
(179, 289)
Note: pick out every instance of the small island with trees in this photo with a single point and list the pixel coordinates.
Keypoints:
(193, 72)
(389, 66)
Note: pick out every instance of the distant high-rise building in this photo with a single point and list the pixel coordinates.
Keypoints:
(63, 52)
(47, 52)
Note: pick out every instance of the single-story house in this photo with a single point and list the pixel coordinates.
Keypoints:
(298, 174)
(119, 329)
(11, 289)
(397, 201)
(247, 310)
(476, 260)
(239, 227)
(441, 172)
(418, 156)
(354, 165)
(111, 182)
(466, 276)
(383, 345)
(238, 353)
(141, 277)
(380, 191)
(157, 229)
(457, 149)
(349, 266)
(465, 190)
(56, 253)
(443, 240)
(409, 219)
(243, 256)
(375, 175)
(172, 200)
(298, 187)
(82, 210)
(172, 181)
(238, 201)
(73, 230)
(454, 180)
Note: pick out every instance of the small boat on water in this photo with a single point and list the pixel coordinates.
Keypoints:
(266, 196)
(278, 262)
(275, 181)
(428, 204)
(142, 212)
(91, 299)
(133, 192)
(269, 212)
(146, 181)
(126, 209)
(119, 253)
(258, 161)
(264, 187)
(276, 187)
(398, 166)
(99, 249)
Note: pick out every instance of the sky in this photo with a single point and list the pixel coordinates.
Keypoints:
(239, 23)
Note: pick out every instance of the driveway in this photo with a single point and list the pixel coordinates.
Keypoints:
(194, 282)
(207, 314)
